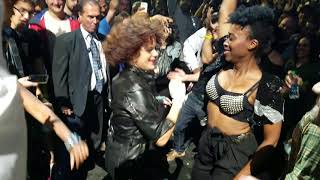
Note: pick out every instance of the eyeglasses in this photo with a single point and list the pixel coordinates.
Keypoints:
(23, 12)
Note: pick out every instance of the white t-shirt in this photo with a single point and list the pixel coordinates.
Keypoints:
(191, 53)
(57, 27)
(13, 130)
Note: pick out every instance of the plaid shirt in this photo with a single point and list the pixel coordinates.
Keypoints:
(304, 160)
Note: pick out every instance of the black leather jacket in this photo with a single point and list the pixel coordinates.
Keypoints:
(135, 119)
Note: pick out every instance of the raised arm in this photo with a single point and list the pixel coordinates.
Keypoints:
(227, 7)
(191, 47)
(208, 53)
(113, 7)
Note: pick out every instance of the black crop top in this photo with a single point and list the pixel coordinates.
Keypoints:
(235, 105)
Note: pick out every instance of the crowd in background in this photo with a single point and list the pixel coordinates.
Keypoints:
(127, 76)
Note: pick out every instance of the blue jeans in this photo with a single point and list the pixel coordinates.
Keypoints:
(191, 109)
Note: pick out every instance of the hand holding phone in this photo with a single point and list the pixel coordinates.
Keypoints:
(39, 78)
(144, 6)
(25, 82)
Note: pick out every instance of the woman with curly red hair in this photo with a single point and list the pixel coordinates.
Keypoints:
(136, 121)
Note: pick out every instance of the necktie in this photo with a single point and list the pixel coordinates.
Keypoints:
(97, 67)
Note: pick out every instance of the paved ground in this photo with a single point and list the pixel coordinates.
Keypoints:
(97, 173)
(176, 170)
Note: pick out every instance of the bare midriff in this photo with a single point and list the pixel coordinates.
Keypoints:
(228, 126)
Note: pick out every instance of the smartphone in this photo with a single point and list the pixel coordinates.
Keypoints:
(39, 78)
(145, 6)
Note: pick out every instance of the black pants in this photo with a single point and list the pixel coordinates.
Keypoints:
(89, 127)
(220, 156)
(38, 152)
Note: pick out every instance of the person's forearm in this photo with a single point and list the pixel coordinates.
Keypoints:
(43, 114)
(194, 77)
(227, 7)
(172, 116)
(174, 110)
(110, 15)
(60, 128)
(246, 170)
(113, 6)
(206, 52)
(33, 106)
(162, 141)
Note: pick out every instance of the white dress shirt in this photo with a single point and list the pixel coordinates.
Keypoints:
(87, 38)
(191, 53)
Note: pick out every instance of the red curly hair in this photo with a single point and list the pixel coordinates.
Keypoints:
(125, 40)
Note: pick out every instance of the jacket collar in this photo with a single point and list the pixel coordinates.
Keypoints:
(147, 75)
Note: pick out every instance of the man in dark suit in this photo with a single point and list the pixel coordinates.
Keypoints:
(81, 85)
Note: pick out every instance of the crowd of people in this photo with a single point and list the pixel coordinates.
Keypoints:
(123, 81)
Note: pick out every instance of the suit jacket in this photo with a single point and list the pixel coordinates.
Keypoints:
(71, 72)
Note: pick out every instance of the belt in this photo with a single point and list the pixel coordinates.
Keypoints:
(239, 138)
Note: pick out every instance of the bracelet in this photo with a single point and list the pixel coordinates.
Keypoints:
(160, 99)
(208, 37)
(72, 140)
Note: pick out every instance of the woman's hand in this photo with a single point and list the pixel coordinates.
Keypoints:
(163, 19)
(167, 31)
(78, 154)
(177, 74)
(114, 4)
(212, 28)
(291, 78)
(66, 111)
(208, 17)
(24, 81)
(164, 100)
